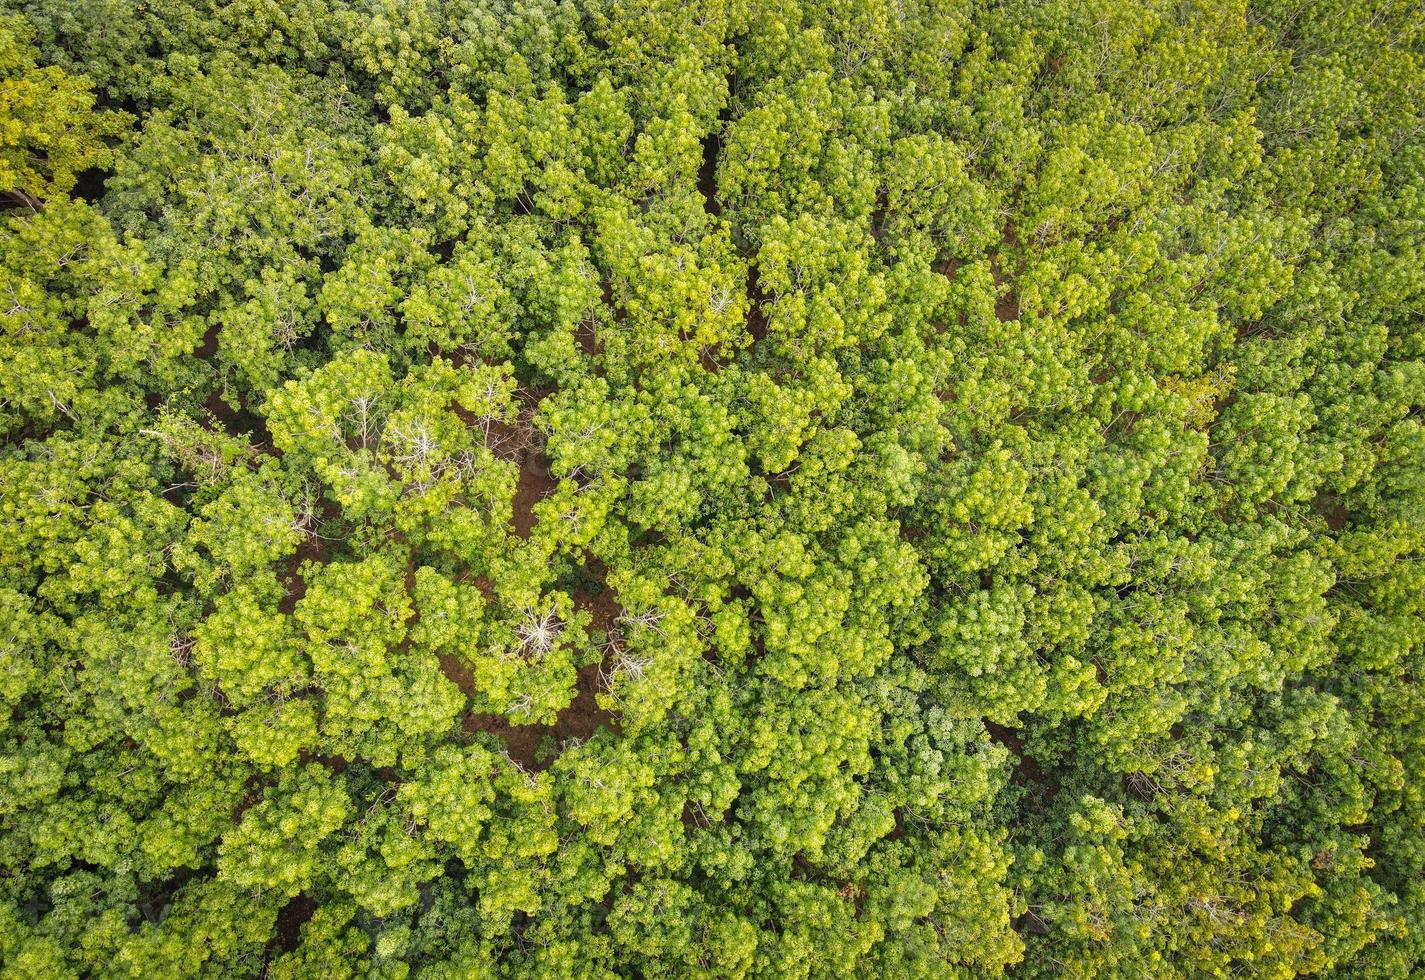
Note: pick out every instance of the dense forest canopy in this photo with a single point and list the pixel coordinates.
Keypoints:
(745, 488)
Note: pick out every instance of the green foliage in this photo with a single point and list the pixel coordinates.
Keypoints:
(626, 487)
(49, 130)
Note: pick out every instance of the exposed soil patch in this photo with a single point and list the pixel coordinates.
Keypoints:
(1329, 506)
(1009, 234)
(535, 484)
(239, 422)
(227, 417)
(294, 588)
(521, 741)
(508, 440)
(584, 716)
(1247, 329)
(694, 816)
(520, 442)
(335, 763)
(602, 604)
(290, 920)
(156, 897)
(1007, 303)
(712, 147)
(1027, 770)
(458, 673)
(230, 420)
(950, 268)
(481, 582)
(314, 549)
(898, 831)
(586, 335)
(576, 723)
(209, 345)
(756, 314)
(1007, 306)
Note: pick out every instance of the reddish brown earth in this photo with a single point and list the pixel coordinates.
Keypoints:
(577, 722)
(756, 309)
(587, 337)
(521, 741)
(518, 442)
(1027, 770)
(290, 920)
(584, 716)
(586, 334)
(534, 485)
(1007, 306)
(458, 673)
(314, 549)
(1329, 506)
(521, 443)
(949, 267)
(603, 606)
(209, 345)
(336, 763)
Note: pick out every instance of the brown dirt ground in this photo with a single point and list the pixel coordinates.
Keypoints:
(579, 721)
(534, 485)
(1027, 770)
(290, 920)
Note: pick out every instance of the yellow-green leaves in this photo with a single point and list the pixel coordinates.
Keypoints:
(49, 131)
(725, 489)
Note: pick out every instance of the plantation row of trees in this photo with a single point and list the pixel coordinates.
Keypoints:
(744, 488)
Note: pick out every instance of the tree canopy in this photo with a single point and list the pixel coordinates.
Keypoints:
(746, 488)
